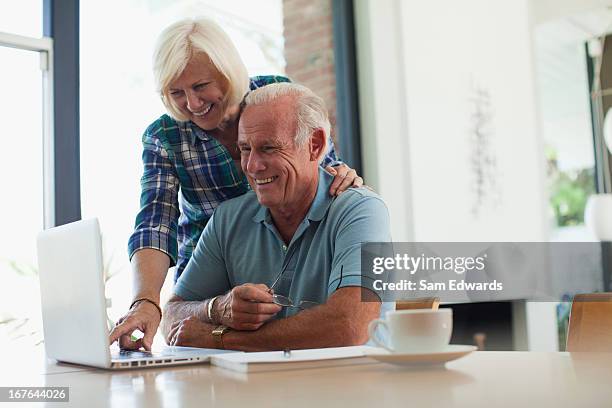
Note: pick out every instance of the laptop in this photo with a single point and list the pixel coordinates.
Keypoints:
(74, 304)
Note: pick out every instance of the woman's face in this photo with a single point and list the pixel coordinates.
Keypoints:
(199, 93)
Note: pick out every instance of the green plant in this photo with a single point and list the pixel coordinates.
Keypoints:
(569, 191)
(26, 270)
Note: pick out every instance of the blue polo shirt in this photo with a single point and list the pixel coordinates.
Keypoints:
(240, 244)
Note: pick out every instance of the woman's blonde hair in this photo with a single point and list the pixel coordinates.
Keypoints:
(183, 40)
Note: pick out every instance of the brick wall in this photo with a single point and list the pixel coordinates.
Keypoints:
(309, 48)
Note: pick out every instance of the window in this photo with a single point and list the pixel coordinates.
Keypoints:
(562, 81)
(23, 17)
(24, 109)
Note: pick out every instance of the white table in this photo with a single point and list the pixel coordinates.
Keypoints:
(491, 379)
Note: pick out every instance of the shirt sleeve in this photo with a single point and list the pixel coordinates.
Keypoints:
(331, 158)
(365, 221)
(205, 275)
(156, 222)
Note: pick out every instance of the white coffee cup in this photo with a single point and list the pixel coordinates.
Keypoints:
(414, 331)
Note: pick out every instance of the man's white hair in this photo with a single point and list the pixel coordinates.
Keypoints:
(311, 113)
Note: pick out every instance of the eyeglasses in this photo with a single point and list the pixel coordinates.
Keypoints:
(285, 301)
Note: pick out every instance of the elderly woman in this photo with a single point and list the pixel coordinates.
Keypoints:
(191, 161)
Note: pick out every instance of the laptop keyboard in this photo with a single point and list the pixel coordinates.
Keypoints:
(131, 354)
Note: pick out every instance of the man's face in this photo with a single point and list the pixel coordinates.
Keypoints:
(279, 172)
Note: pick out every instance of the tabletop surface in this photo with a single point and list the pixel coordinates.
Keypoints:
(481, 379)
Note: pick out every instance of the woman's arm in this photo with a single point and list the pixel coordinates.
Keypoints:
(153, 245)
(149, 268)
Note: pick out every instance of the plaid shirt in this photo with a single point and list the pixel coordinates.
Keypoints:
(187, 174)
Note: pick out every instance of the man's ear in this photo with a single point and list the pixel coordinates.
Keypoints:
(317, 144)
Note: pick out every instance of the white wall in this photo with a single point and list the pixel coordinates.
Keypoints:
(454, 49)
(420, 63)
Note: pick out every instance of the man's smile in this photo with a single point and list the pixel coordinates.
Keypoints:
(263, 181)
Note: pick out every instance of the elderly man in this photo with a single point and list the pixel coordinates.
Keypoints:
(287, 242)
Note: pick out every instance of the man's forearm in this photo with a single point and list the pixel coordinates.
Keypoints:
(149, 270)
(177, 310)
(342, 321)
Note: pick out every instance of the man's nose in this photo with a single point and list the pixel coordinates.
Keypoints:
(255, 163)
(194, 103)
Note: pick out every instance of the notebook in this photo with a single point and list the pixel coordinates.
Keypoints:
(294, 359)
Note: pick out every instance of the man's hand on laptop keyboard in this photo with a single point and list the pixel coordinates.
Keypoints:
(145, 317)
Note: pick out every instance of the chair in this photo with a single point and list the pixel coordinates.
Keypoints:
(419, 303)
(590, 323)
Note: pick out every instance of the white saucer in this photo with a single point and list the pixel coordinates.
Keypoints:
(449, 353)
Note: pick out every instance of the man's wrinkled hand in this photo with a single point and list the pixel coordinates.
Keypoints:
(246, 307)
(190, 332)
(144, 317)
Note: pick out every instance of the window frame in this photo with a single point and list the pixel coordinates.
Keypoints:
(61, 25)
(44, 47)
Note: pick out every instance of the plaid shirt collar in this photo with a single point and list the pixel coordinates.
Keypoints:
(194, 132)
